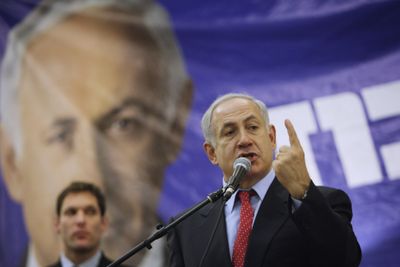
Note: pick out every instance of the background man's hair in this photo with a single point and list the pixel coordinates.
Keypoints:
(79, 187)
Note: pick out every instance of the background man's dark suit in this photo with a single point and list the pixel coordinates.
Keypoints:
(279, 238)
(104, 261)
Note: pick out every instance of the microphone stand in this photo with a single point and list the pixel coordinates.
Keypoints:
(163, 230)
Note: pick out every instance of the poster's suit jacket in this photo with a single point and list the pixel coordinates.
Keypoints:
(318, 233)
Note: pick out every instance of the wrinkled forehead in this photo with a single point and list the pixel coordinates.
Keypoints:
(103, 33)
(235, 108)
(108, 22)
(97, 58)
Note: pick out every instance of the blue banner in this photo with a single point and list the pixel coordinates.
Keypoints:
(332, 67)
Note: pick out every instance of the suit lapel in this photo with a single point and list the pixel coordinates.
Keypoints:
(104, 261)
(218, 252)
(24, 259)
(272, 214)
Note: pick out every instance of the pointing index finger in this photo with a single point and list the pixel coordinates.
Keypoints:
(294, 141)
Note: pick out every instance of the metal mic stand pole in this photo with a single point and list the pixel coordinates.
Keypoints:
(163, 230)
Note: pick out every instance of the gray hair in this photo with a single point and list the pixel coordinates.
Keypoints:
(48, 14)
(206, 123)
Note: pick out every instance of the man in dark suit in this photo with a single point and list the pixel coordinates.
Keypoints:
(278, 217)
(81, 222)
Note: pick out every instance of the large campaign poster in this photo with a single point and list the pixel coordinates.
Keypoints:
(332, 67)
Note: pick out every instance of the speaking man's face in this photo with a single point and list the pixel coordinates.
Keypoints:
(240, 131)
(92, 97)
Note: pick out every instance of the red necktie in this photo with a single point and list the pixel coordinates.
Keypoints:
(245, 226)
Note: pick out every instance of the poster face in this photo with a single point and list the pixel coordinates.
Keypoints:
(115, 96)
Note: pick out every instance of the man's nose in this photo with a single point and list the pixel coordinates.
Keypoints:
(87, 166)
(80, 217)
(244, 138)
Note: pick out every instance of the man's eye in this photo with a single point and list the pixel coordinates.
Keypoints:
(91, 211)
(125, 125)
(253, 127)
(229, 133)
(62, 132)
(70, 212)
(61, 137)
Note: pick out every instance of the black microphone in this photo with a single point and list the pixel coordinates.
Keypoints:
(241, 166)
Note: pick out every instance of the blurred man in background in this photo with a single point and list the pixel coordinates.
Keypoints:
(81, 222)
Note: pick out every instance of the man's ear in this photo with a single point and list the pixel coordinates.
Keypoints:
(210, 152)
(183, 107)
(272, 135)
(9, 167)
(57, 226)
(104, 223)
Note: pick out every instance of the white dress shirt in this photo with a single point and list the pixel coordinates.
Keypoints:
(232, 207)
(91, 262)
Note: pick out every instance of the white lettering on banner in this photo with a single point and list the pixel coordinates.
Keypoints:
(383, 101)
(391, 158)
(302, 117)
(344, 116)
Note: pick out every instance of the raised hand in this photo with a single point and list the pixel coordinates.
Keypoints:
(290, 166)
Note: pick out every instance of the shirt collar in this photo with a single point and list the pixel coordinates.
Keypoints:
(32, 261)
(261, 188)
(93, 261)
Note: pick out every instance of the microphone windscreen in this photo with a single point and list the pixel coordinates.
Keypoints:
(242, 161)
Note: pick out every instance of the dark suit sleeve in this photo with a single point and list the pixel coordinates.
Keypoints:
(57, 264)
(324, 218)
(175, 258)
